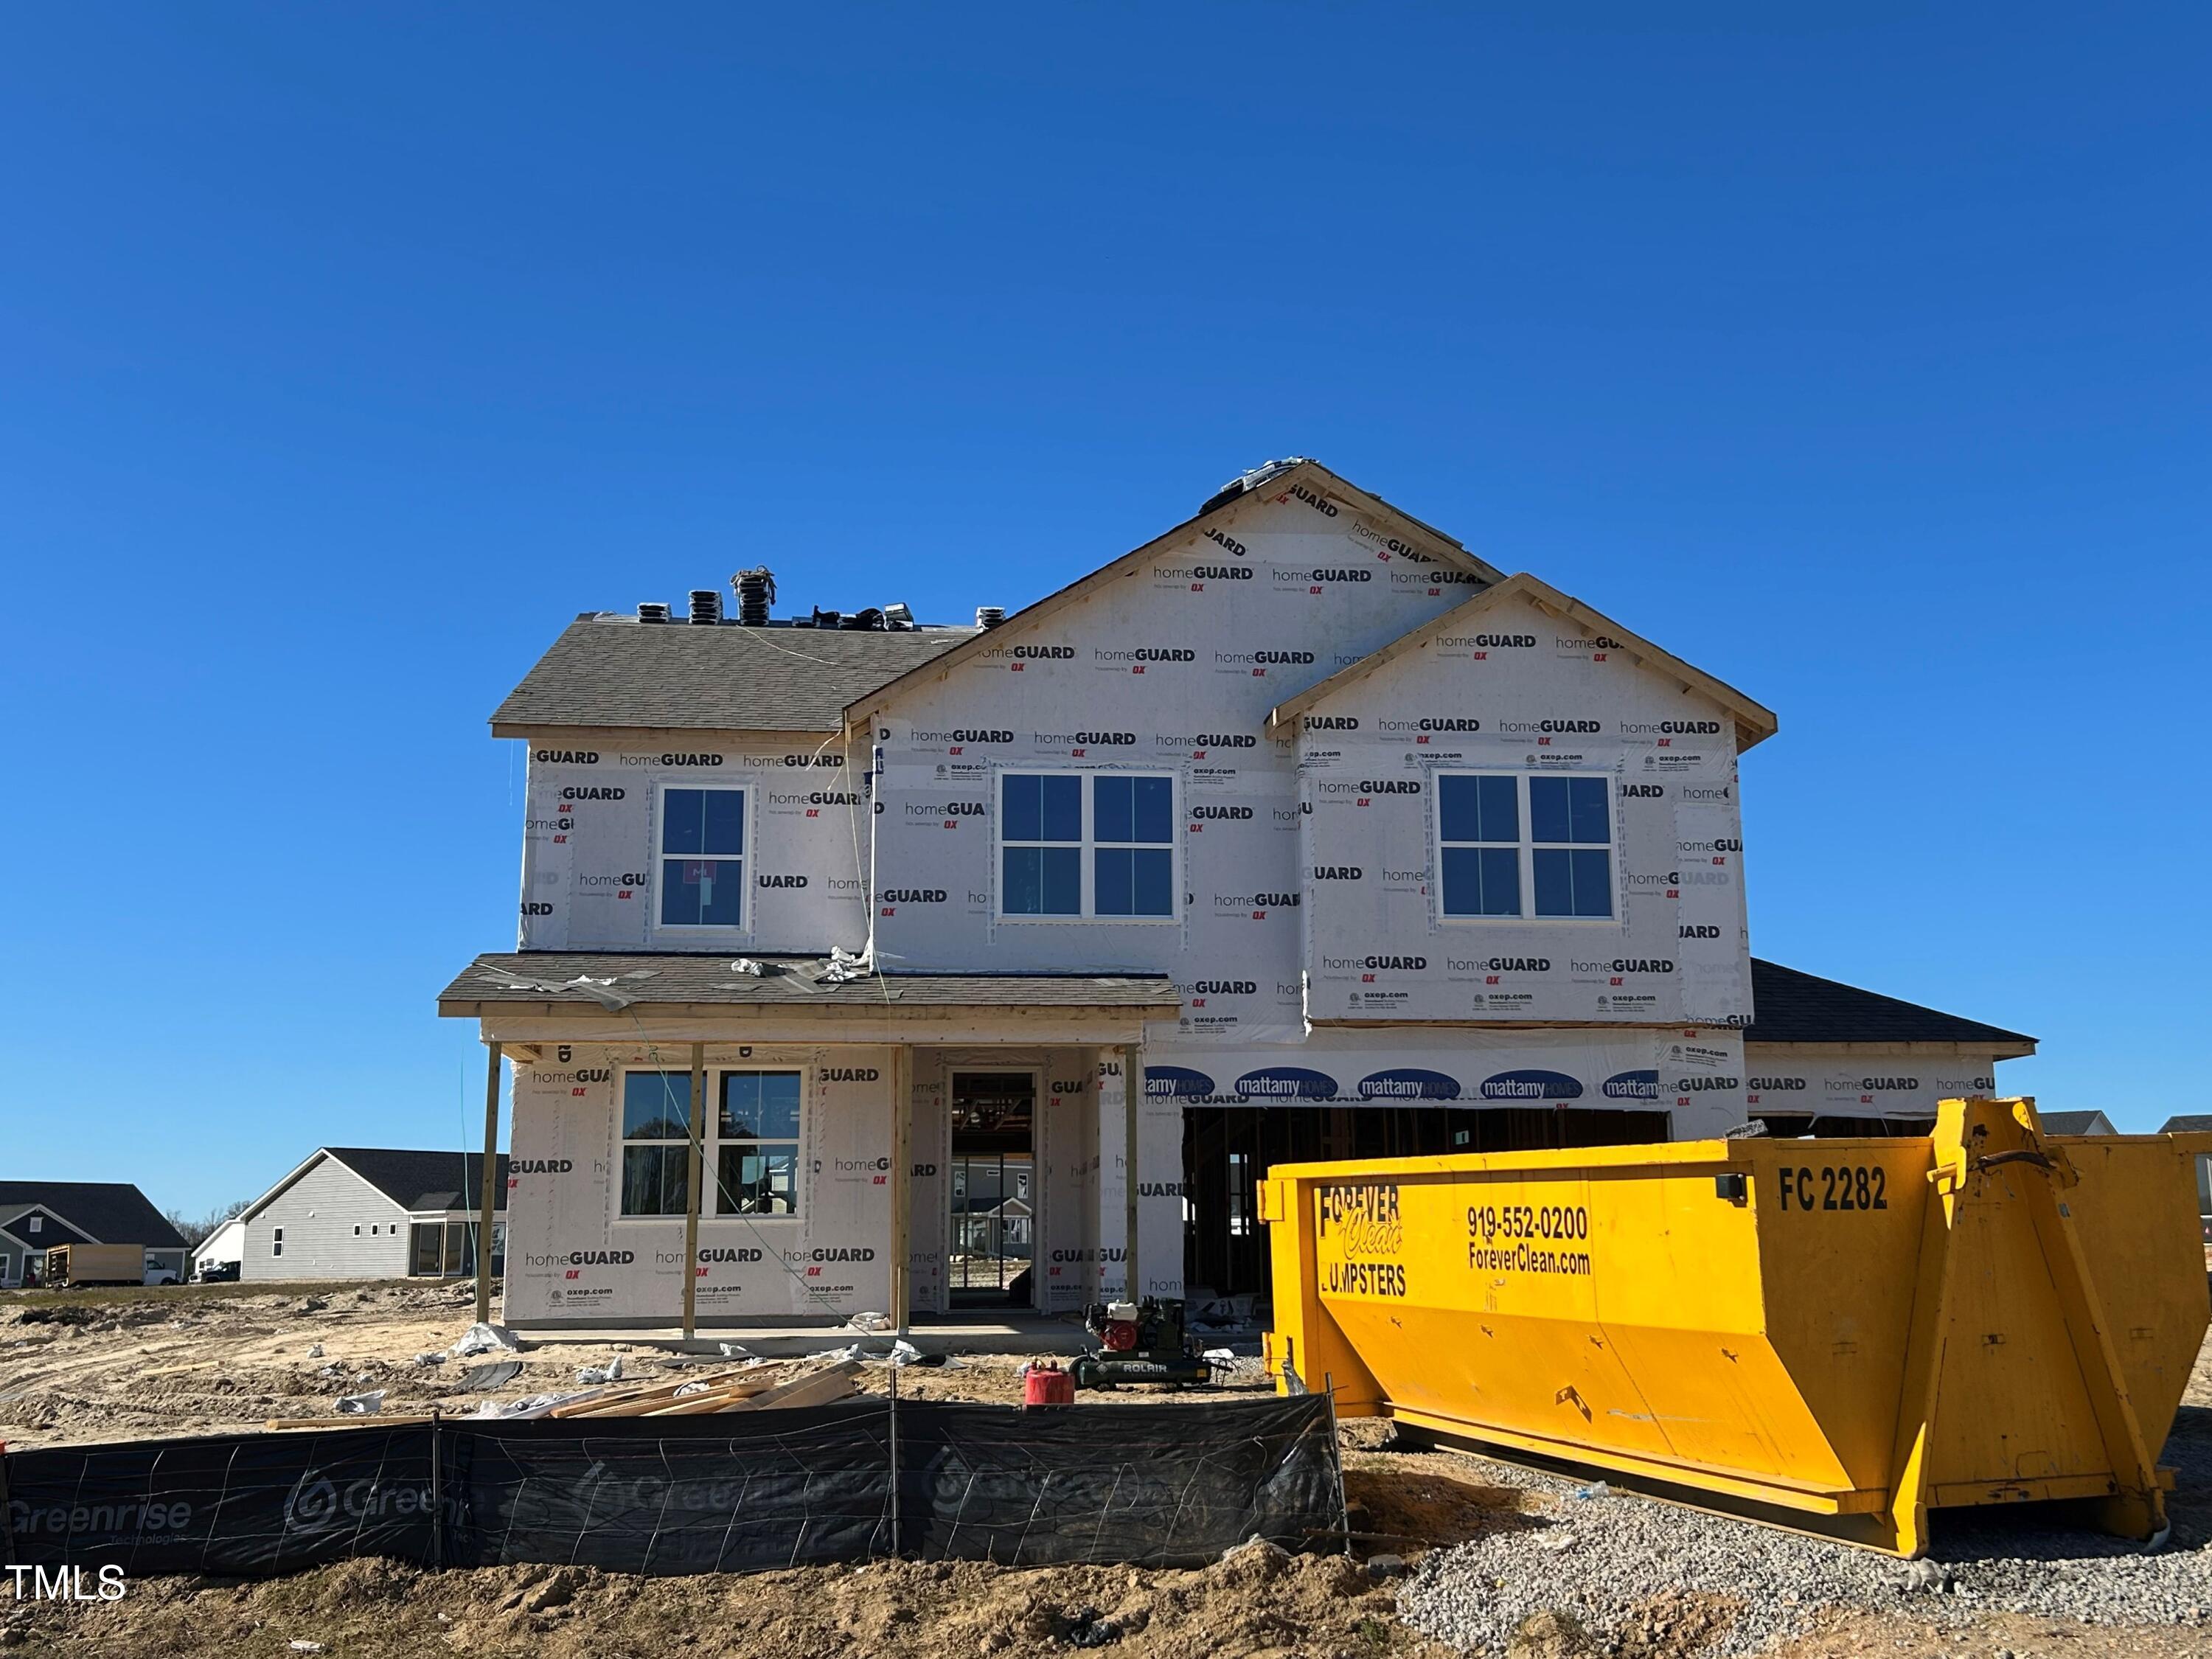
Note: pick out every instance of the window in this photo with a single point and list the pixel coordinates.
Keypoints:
(757, 1144)
(357, 1229)
(1089, 845)
(751, 1143)
(275, 1240)
(1525, 845)
(37, 1224)
(703, 858)
(656, 1166)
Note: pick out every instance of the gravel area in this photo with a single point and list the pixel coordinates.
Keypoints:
(1605, 1560)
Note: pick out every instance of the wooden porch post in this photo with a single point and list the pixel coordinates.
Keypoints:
(902, 1186)
(1132, 1094)
(693, 1183)
(487, 1186)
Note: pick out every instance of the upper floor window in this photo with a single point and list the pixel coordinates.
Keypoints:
(1525, 845)
(703, 858)
(1096, 845)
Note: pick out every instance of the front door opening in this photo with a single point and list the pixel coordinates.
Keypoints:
(993, 1225)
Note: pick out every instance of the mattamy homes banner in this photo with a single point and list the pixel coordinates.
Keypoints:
(1519, 696)
(1695, 1074)
(1167, 669)
(572, 1256)
(1868, 1083)
(599, 849)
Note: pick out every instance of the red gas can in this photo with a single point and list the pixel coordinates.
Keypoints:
(1045, 1384)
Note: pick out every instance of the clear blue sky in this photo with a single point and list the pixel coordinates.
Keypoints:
(1859, 354)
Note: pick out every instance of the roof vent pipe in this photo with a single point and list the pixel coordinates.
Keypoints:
(651, 613)
(705, 605)
(755, 594)
(990, 615)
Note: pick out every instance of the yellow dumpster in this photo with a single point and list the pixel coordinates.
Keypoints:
(1838, 1335)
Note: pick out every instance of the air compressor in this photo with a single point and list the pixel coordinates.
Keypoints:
(1138, 1342)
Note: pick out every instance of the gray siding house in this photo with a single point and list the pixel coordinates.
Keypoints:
(369, 1212)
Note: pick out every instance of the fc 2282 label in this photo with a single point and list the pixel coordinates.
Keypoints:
(1838, 1187)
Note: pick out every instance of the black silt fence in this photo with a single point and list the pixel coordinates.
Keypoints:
(1151, 1485)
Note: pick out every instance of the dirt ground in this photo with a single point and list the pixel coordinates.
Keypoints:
(117, 1365)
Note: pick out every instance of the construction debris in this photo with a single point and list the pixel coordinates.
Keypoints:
(486, 1338)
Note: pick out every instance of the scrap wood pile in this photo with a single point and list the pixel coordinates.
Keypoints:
(740, 1390)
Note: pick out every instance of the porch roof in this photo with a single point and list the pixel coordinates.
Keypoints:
(612, 982)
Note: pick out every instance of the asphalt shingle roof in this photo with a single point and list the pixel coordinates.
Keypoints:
(2186, 1123)
(2076, 1123)
(613, 671)
(112, 1211)
(424, 1180)
(549, 976)
(1788, 1007)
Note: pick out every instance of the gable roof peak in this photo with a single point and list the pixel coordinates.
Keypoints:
(1270, 478)
(1755, 721)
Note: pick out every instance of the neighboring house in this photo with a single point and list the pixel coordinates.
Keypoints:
(226, 1244)
(1349, 842)
(2077, 1123)
(37, 1215)
(2195, 1123)
(370, 1212)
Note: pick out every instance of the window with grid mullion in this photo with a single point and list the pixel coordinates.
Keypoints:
(1532, 846)
(756, 1144)
(702, 865)
(1096, 845)
(1478, 821)
(656, 1148)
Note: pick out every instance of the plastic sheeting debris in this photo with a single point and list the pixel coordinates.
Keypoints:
(844, 965)
(498, 1374)
(600, 991)
(360, 1405)
(535, 1405)
(485, 1339)
(610, 1372)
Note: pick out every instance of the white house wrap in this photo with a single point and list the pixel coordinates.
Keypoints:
(1355, 841)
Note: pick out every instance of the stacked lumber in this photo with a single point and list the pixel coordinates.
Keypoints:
(725, 1391)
